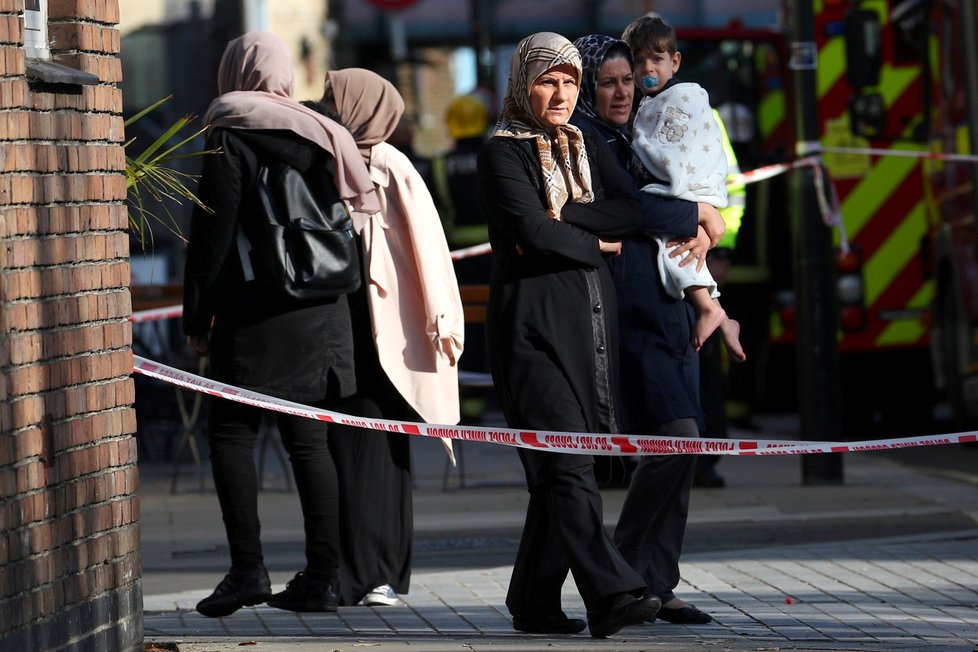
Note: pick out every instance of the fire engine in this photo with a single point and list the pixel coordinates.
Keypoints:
(896, 88)
(896, 84)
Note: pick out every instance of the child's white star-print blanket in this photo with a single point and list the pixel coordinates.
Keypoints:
(677, 138)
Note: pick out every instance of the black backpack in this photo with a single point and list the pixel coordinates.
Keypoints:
(303, 246)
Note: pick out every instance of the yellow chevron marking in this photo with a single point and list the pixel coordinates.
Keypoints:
(908, 330)
(962, 143)
(901, 332)
(894, 82)
(836, 133)
(831, 64)
(771, 112)
(902, 245)
(777, 328)
(866, 198)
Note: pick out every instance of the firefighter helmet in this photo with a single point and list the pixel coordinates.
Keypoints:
(466, 117)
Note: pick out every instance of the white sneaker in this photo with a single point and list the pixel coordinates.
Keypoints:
(382, 596)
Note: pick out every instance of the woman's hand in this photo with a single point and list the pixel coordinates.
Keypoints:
(696, 248)
(711, 220)
(199, 344)
(613, 248)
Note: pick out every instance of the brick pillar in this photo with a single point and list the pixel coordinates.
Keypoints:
(69, 561)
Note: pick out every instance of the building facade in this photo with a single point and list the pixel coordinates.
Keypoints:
(69, 537)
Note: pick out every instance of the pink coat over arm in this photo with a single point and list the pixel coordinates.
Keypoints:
(415, 306)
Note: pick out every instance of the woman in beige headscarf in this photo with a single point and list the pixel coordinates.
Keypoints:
(297, 350)
(551, 198)
(408, 332)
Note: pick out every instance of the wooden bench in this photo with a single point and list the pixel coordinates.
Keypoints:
(474, 299)
(148, 297)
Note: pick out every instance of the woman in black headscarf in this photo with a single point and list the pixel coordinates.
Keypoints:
(551, 197)
(661, 395)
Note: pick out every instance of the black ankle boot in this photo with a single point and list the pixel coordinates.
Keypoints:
(552, 623)
(306, 594)
(239, 588)
(624, 610)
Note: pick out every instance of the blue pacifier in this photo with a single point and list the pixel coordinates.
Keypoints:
(650, 82)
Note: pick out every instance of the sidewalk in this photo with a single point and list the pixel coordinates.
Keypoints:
(887, 562)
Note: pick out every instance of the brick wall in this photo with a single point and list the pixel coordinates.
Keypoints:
(69, 562)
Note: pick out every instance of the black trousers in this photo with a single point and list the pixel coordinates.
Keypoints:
(564, 530)
(232, 434)
(652, 523)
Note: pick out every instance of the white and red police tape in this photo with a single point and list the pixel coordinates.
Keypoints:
(156, 314)
(572, 442)
(563, 442)
(470, 252)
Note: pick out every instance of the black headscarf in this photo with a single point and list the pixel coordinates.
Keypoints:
(593, 49)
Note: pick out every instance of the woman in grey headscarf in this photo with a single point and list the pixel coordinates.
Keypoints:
(255, 338)
(552, 197)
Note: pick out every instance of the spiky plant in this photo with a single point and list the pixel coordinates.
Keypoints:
(151, 179)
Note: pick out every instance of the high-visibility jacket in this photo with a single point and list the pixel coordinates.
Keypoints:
(733, 214)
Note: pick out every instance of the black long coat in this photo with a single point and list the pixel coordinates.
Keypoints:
(297, 350)
(551, 312)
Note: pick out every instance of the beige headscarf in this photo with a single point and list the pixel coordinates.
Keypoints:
(535, 55)
(367, 104)
(255, 82)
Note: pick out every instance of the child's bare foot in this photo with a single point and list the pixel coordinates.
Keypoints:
(711, 316)
(730, 330)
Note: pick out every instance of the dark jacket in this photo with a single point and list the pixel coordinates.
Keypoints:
(660, 369)
(551, 311)
(296, 350)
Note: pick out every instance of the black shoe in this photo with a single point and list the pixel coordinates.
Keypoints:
(556, 623)
(239, 588)
(306, 594)
(625, 610)
(688, 615)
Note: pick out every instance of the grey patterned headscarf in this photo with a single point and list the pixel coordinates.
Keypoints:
(594, 48)
(535, 55)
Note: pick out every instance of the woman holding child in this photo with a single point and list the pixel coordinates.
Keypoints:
(658, 359)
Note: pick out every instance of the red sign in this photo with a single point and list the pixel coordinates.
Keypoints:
(392, 4)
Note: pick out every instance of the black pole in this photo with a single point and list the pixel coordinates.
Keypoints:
(968, 21)
(482, 25)
(817, 355)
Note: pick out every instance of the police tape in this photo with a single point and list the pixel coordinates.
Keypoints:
(155, 314)
(813, 158)
(769, 171)
(469, 252)
(556, 441)
(826, 194)
(905, 153)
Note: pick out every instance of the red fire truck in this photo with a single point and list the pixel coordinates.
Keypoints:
(897, 86)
